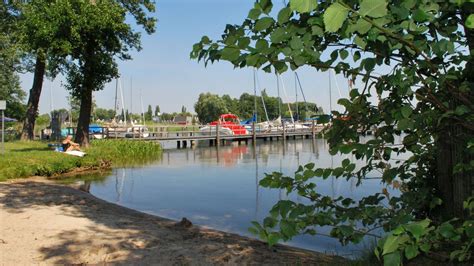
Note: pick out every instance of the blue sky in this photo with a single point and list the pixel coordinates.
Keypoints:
(164, 75)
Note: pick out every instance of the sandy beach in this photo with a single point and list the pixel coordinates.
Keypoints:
(46, 223)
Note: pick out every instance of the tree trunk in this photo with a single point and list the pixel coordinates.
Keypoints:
(82, 133)
(33, 100)
(457, 186)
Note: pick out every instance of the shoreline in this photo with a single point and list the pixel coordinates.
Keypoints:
(49, 223)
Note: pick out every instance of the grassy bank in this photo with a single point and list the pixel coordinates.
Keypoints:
(23, 159)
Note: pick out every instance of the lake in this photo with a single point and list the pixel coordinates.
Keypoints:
(218, 187)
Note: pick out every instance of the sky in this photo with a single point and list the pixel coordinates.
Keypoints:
(163, 74)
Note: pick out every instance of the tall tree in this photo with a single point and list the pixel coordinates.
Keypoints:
(104, 36)
(209, 107)
(425, 89)
(157, 110)
(9, 63)
(47, 34)
(149, 113)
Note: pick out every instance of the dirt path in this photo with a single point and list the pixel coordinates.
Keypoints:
(45, 223)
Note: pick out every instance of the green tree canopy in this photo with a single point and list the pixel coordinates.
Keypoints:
(209, 107)
(104, 37)
(10, 89)
(415, 56)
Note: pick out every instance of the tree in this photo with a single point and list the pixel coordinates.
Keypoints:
(149, 113)
(47, 34)
(209, 107)
(104, 36)
(183, 109)
(426, 96)
(157, 110)
(10, 90)
(104, 114)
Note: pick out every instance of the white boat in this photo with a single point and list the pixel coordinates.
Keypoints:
(135, 131)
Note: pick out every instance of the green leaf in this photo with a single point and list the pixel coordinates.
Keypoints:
(303, 6)
(263, 23)
(345, 163)
(334, 17)
(415, 229)
(470, 21)
(230, 53)
(243, 42)
(391, 244)
(411, 251)
(296, 43)
(284, 15)
(252, 60)
(469, 228)
(373, 8)
(254, 13)
(344, 54)
(404, 124)
(447, 230)
(369, 64)
(261, 45)
(278, 35)
(392, 259)
(362, 26)
(273, 238)
(406, 111)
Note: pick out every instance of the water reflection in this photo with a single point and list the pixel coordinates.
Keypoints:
(218, 186)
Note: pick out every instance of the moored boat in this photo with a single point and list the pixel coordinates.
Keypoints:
(229, 124)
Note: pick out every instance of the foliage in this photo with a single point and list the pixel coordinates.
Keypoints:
(415, 56)
(104, 36)
(35, 158)
(9, 63)
(244, 107)
(104, 114)
(157, 110)
(209, 107)
(149, 114)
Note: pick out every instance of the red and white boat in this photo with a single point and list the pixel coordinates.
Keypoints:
(229, 124)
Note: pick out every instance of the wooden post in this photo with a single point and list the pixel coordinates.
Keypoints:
(254, 132)
(218, 137)
(313, 130)
(179, 144)
(284, 131)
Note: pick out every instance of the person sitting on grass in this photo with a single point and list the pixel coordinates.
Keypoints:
(69, 145)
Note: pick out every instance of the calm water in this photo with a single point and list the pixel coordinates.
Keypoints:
(217, 188)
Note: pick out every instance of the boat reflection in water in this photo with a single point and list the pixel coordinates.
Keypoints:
(218, 187)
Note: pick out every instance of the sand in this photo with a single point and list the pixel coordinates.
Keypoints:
(46, 223)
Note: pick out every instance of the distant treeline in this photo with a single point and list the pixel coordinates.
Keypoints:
(210, 106)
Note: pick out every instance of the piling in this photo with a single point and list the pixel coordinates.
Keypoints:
(218, 137)
(254, 132)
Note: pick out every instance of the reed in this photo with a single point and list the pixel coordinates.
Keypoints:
(24, 159)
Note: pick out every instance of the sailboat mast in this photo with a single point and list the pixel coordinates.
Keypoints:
(115, 105)
(279, 98)
(123, 103)
(302, 92)
(330, 95)
(255, 93)
(141, 103)
(296, 101)
(131, 100)
(286, 98)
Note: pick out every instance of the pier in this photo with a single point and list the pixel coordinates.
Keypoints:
(189, 135)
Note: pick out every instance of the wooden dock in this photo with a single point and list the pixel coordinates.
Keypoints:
(189, 135)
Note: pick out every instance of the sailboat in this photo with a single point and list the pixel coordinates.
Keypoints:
(120, 129)
(265, 126)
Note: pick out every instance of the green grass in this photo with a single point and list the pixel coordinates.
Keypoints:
(24, 159)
